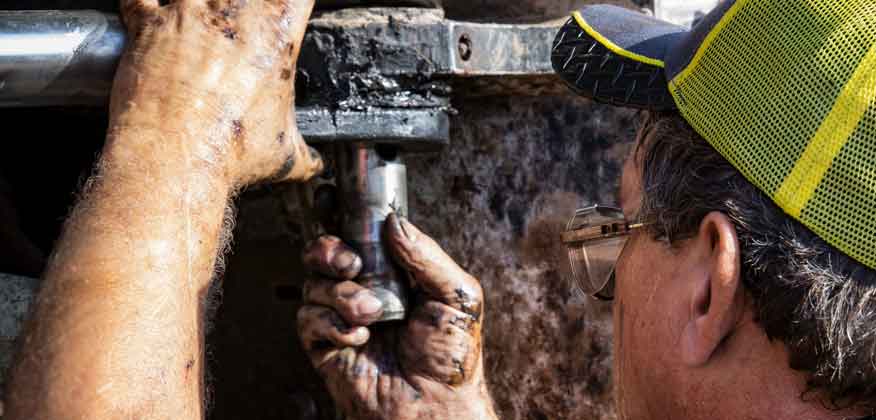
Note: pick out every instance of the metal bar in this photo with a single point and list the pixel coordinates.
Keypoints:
(415, 129)
(58, 57)
(480, 49)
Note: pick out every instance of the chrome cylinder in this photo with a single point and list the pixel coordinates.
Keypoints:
(58, 57)
(373, 182)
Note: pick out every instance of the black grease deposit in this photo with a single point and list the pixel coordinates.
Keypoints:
(284, 170)
(369, 67)
(468, 304)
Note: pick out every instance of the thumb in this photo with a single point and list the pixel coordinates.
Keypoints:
(303, 163)
(433, 270)
(135, 11)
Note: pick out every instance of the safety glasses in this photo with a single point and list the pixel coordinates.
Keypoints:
(594, 239)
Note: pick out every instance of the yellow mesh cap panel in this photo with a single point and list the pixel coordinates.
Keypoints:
(785, 91)
(841, 209)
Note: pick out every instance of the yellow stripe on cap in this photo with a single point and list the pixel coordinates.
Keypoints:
(854, 100)
(612, 46)
(710, 38)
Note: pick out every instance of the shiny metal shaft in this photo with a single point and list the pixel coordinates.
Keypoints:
(373, 183)
(58, 57)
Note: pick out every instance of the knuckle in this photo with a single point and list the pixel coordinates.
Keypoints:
(320, 252)
(344, 306)
(338, 302)
(346, 290)
(475, 289)
(469, 300)
(412, 256)
(336, 293)
(326, 242)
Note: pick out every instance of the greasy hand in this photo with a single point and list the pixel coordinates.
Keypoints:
(427, 367)
(214, 79)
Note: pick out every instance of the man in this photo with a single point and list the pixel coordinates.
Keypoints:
(732, 300)
(741, 261)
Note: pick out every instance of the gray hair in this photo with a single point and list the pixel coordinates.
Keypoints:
(813, 298)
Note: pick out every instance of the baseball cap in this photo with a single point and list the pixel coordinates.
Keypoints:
(785, 90)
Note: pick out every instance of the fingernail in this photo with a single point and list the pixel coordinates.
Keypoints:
(343, 262)
(361, 336)
(316, 158)
(369, 305)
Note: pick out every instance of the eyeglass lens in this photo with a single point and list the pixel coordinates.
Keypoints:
(593, 261)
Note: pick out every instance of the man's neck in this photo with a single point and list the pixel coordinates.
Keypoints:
(755, 381)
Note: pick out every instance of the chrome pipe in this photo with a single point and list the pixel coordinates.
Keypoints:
(58, 57)
(373, 183)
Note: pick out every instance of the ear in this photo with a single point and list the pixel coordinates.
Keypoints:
(716, 291)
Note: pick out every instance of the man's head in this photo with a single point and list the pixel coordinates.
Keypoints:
(725, 304)
(751, 289)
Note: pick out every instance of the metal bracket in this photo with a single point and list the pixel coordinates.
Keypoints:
(367, 73)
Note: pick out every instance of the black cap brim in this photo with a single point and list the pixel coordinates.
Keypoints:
(617, 56)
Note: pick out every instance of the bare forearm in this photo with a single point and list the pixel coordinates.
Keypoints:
(117, 329)
(200, 104)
